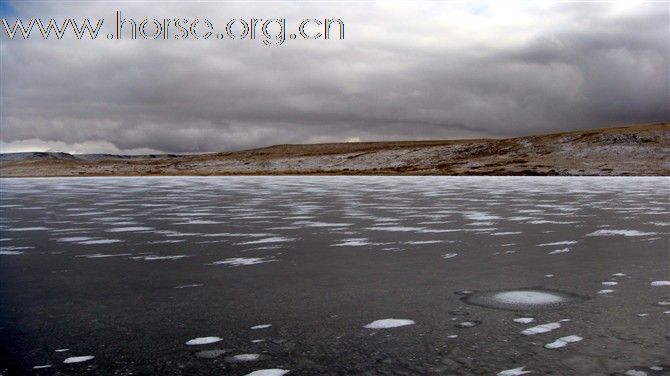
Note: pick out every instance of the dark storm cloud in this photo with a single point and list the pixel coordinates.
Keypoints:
(404, 71)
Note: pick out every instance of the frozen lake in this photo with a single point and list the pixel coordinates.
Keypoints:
(334, 275)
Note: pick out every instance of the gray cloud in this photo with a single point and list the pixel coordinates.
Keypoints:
(404, 71)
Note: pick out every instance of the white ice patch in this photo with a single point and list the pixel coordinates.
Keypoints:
(395, 228)
(42, 367)
(74, 239)
(419, 242)
(78, 359)
(564, 250)
(203, 341)
(480, 216)
(506, 233)
(246, 357)
(262, 326)
(563, 341)
(243, 261)
(269, 372)
(156, 258)
(10, 253)
(618, 275)
(129, 229)
(544, 328)
(660, 283)
(389, 323)
(449, 255)
(100, 241)
(513, 372)
(566, 242)
(357, 242)
(632, 372)
(103, 255)
(27, 229)
(524, 320)
(189, 286)
(620, 232)
(527, 297)
(274, 239)
(605, 292)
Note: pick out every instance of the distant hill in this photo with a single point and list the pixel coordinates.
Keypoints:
(630, 150)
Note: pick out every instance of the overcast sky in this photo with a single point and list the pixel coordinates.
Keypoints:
(430, 70)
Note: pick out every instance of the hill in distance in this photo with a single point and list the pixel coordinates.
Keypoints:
(630, 150)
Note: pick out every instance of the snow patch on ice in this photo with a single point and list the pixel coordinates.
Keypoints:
(243, 261)
(563, 341)
(78, 359)
(269, 372)
(566, 242)
(513, 372)
(389, 323)
(245, 357)
(620, 232)
(544, 328)
(203, 341)
(527, 297)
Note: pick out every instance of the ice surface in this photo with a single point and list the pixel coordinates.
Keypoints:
(513, 372)
(449, 255)
(203, 341)
(269, 372)
(524, 320)
(609, 283)
(660, 283)
(42, 367)
(389, 323)
(605, 292)
(559, 251)
(78, 359)
(262, 326)
(544, 328)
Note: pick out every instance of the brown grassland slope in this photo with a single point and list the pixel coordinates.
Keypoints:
(630, 150)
